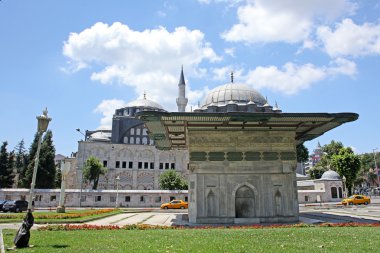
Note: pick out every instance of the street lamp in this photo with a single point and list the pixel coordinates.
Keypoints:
(65, 168)
(117, 191)
(22, 237)
(43, 122)
(376, 169)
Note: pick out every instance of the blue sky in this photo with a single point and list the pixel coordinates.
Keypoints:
(83, 59)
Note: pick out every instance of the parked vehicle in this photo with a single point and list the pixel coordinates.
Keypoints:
(356, 200)
(15, 206)
(2, 202)
(175, 204)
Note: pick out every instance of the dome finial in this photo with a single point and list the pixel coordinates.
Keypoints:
(144, 94)
(232, 77)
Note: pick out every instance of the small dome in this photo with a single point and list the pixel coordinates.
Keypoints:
(330, 175)
(236, 92)
(100, 136)
(144, 103)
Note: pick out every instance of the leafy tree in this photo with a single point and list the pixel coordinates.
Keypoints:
(302, 153)
(316, 172)
(347, 164)
(92, 170)
(328, 151)
(171, 180)
(6, 167)
(46, 170)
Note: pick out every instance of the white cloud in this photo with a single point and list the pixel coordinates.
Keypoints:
(350, 39)
(230, 51)
(289, 80)
(224, 73)
(292, 78)
(143, 60)
(343, 67)
(289, 21)
(107, 109)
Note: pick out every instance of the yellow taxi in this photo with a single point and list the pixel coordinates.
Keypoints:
(177, 203)
(356, 200)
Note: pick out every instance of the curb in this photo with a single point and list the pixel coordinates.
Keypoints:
(2, 250)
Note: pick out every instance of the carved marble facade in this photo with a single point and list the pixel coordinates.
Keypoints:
(242, 177)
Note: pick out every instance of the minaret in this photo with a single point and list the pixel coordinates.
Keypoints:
(181, 100)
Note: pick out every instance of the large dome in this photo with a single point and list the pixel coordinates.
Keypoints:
(330, 175)
(236, 92)
(144, 103)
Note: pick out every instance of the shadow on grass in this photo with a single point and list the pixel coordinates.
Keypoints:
(59, 246)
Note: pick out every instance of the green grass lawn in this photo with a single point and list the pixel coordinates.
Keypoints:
(307, 239)
(72, 216)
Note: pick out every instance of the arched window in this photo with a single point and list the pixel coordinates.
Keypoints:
(137, 140)
(144, 140)
(334, 193)
(145, 131)
(151, 142)
(132, 131)
(138, 131)
(125, 140)
(131, 140)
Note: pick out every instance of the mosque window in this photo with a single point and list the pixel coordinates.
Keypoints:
(98, 198)
(166, 166)
(186, 199)
(142, 199)
(125, 140)
(132, 131)
(53, 198)
(334, 193)
(151, 166)
(117, 164)
(172, 166)
(145, 131)
(172, 198)
(161, 166)
(137, 140)
(144, 140)
(138, 131)
(146, 165)
(139, 165)
(127, 198)
(105, 163)
(131, 140)
(124, 165)
(306, 198)
(130, 165)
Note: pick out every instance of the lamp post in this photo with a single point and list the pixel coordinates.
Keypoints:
(22, 237)
(344, 187)
(376, 169)
(65, 168)
(43, 122)
(117, 191)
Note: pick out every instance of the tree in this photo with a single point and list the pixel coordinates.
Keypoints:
(171, 180)
(6, 167)
(302, 153)
(347, 164)
(25, 176)
(45, 178)
(328, 151)
(93, 168)
(316, 172)
(21, 161)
